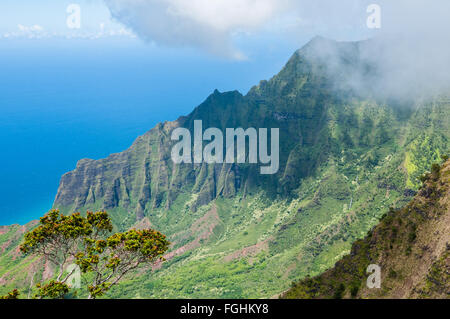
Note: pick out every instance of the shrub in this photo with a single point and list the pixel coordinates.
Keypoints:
(11, 295)
(339, 291)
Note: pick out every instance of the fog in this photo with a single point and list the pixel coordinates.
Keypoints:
(412, 51)
(409, 55)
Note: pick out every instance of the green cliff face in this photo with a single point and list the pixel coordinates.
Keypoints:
(345, 157)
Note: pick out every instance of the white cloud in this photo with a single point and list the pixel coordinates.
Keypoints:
(410, 54)
(31, 29)
(205, 24)
(226, 15)
(413, 54)
(38, 32)
(32, 32)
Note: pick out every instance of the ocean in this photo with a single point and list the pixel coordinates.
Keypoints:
(64, 100)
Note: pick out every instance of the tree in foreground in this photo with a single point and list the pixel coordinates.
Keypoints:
(87, 241)
(11, 295)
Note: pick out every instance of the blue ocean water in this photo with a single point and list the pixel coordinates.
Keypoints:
(63, 100)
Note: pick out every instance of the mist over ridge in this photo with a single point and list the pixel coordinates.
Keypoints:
(406, 58)
(385, 68)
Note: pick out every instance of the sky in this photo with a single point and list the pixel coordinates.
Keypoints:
(219, 27)
(216, 27)
(48, 18)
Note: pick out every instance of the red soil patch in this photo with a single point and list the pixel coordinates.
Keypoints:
(203, 227)
(248, 251)
(144, 223)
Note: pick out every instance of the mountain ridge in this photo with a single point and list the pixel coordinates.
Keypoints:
(344, 159)
(410, 245)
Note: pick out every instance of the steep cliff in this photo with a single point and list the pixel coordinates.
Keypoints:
(410, 245)
(345, 157)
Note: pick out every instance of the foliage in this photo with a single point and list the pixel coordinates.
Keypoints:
(52, 290)
(62, 239)
(392, 245)
(11, 295)
(111, 258)
(344, 160)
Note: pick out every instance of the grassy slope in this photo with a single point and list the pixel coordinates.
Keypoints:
(306, 235)
(411, 245)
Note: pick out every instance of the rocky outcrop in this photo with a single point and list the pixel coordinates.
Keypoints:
(143, 178)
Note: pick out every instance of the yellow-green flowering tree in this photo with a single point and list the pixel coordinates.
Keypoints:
(11, 295)
(88, 242)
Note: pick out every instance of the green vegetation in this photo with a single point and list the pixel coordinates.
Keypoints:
(84, 240)
(345, 159)
(11, 295)
(403, 244)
